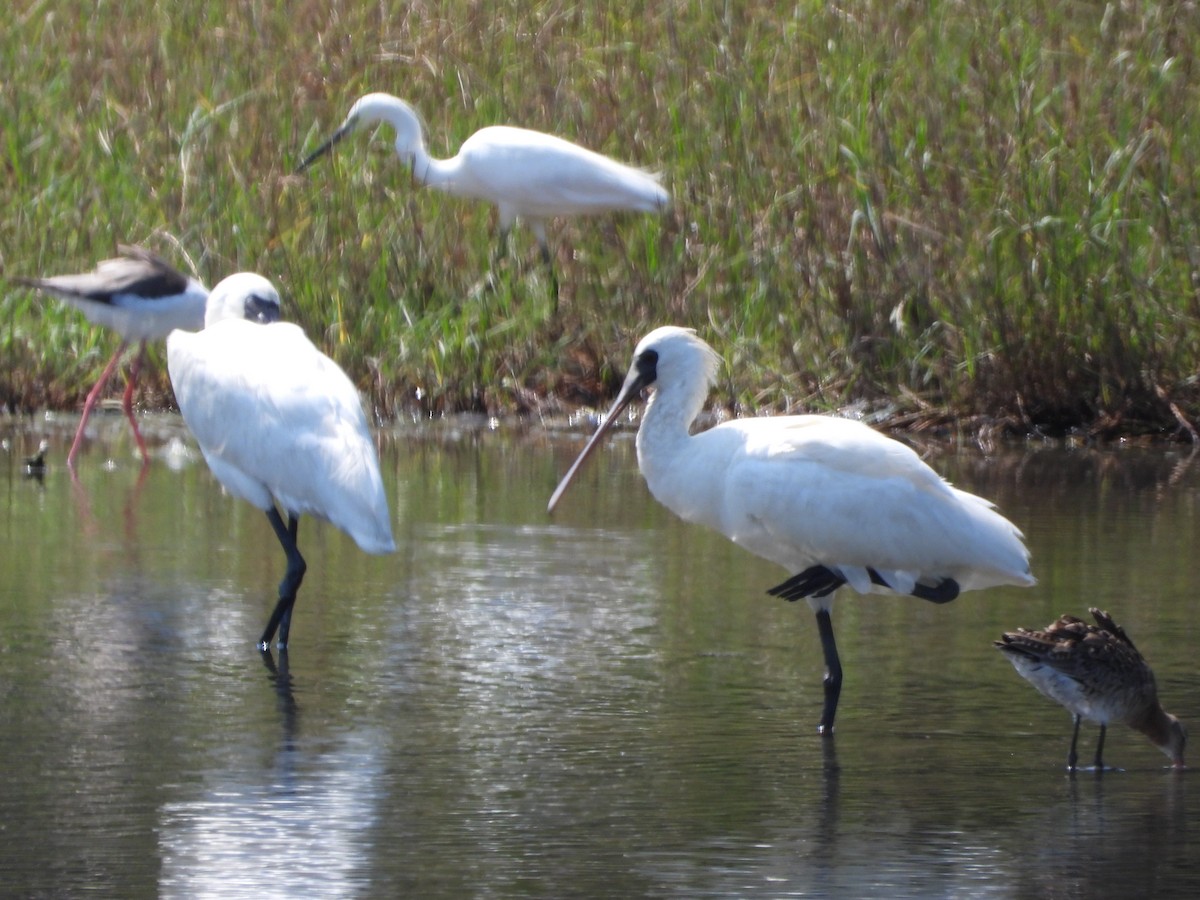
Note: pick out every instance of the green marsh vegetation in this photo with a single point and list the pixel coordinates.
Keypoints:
(952, 212)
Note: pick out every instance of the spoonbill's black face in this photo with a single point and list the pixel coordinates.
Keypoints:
(643, 374)
(261, 310)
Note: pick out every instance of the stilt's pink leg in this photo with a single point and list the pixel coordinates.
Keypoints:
(128, 401)
(91, 402)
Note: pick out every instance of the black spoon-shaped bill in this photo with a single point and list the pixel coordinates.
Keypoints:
(635, 381)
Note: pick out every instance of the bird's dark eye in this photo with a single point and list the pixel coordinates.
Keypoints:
(261, 310)
(647, 366)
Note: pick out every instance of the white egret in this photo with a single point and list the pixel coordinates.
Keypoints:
(279, 423)
(526, 174)
(1097, 673)
(139, 296)
(827, 498)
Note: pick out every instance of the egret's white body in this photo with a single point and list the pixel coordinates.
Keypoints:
(526, 174)
(830, 499)
(1097, 673)
(279, 423)
(137, 295)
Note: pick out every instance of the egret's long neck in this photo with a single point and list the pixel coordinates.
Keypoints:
(435, 173)
(411, 148)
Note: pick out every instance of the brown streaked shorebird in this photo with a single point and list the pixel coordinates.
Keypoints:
(1097, 673)
(139, 296)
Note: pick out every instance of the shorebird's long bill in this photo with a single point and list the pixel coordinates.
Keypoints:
(325, 147)
(633, 385)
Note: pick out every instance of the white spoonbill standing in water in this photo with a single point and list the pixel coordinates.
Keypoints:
(137, 295)
(526, 174)
(829, 499)
(1097, 673)
(279, 423)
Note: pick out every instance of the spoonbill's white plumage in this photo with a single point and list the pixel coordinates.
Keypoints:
(829, 499)
(1097, 673)
(526, 174)
(280, 425)
(139, 296)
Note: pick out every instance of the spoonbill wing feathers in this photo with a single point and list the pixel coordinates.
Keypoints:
(276, 418)
(808, 490)
(844, 447)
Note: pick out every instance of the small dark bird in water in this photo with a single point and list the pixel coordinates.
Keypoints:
(35, 466)
(1097, 673)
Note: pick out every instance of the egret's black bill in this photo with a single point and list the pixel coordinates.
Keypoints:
(324, 148)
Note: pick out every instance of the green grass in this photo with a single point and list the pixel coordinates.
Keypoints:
(954, 212)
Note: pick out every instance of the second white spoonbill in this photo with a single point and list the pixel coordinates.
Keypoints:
(281, 426)
(139, 296)
(527, 175)
(829, 499)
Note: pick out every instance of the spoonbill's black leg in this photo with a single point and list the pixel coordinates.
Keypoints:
(833, 671)
(281, 617)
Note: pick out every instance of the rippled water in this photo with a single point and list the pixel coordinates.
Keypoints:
(605, 703)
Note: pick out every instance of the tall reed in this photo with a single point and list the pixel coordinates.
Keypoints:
(950, 211)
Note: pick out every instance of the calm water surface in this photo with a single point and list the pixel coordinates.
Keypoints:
(605, 703)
